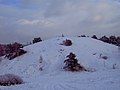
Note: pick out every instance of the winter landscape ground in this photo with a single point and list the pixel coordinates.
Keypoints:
(41, 68)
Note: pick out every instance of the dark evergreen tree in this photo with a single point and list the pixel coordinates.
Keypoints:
(71, 64)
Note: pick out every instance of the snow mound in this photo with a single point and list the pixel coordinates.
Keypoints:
(44, 61)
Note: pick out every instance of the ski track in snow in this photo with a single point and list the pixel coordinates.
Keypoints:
(75, 82)
(69, 81)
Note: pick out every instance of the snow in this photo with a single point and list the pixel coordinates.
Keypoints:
(41, 67)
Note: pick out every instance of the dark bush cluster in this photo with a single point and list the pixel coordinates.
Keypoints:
(19, 52)
(12, 50)
(2, 50)
(67, 42)
(35, 40)
(82, 36)
(112, 40)
(10, 79)
(71, 64)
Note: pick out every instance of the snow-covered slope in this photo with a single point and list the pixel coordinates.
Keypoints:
(42, 67)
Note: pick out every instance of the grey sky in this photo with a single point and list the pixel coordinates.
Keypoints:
(22, 20)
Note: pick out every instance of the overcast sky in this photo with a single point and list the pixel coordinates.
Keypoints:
(22, 20)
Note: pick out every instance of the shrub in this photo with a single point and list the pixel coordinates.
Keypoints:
(118, 41)
(67, 42)
(19, 52)
(11, 51)
(112, 40)
(83, 36)
(10, 79)
(35, 40)
(71, 64)
(94, 36)
(105, 39)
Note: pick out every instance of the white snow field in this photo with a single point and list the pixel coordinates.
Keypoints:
(41, 68)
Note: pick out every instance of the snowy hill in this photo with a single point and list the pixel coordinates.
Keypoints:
(41, 67)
